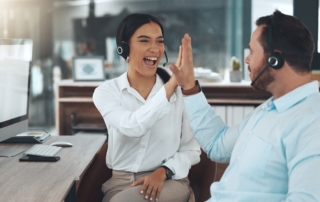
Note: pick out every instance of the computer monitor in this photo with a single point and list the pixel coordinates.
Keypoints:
(15, 59)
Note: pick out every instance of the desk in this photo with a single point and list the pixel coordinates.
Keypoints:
(48, 181)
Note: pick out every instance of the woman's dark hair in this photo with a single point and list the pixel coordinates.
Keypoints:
(129, 25)
(291, 37)
(163, 74)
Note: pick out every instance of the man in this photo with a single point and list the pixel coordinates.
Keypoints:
(274, 154)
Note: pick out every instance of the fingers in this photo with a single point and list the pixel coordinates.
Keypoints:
(153, 193)
(173, 68)
(186, 50)
(143, 188)
(178, 62)
(158, 194)
(149, 192)
(138, 182)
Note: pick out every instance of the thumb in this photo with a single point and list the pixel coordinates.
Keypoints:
(138, 182)
(174, 69)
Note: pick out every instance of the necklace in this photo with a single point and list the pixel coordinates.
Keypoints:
(142, 88)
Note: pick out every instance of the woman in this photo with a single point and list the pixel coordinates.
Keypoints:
(151, 147)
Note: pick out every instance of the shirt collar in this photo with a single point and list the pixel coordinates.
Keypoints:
(288, 100)
(123, 83)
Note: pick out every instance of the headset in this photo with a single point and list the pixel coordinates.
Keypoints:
(123, 49)
(275, 60)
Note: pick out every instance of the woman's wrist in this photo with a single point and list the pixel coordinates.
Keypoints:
(170, 87)
(162, 171)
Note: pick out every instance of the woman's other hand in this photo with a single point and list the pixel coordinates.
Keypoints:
(178, 62)
(171, 85)
(152, 184)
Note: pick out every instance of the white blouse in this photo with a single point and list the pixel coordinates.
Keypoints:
(145, 134)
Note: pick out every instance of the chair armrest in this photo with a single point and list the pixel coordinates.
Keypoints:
(201, 177)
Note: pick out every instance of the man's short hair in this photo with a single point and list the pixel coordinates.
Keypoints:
(291, 37)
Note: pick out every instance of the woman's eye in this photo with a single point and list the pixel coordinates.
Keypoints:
(161, 41)
(144, 41)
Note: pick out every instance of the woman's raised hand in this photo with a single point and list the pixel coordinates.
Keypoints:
(183, 72)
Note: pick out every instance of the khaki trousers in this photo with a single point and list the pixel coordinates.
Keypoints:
(118, 188)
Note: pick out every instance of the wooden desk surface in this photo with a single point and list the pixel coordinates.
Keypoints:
(47, 181)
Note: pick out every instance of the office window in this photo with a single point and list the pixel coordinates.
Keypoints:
(31, 20)
(215, 26)
(267, 7)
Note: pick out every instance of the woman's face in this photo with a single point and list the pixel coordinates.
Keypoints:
(146, 49)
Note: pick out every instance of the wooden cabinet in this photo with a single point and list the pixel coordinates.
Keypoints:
(76, 98)
(223, 93)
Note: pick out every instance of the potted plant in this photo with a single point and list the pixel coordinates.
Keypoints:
(235, 73)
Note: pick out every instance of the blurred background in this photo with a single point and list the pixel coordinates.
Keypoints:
(63, 29)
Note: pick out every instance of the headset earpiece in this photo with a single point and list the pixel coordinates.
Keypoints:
(123, 50)
(275, 60)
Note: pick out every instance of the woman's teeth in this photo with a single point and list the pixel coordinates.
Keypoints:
(150, 60)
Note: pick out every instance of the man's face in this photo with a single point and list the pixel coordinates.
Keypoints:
(256, 61)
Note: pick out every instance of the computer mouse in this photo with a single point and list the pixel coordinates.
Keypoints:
(62, 144)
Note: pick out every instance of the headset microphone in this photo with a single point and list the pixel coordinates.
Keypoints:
(165, 54)
(275, 60)
(264, 69)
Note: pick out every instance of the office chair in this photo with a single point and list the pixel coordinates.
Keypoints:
(201, 176)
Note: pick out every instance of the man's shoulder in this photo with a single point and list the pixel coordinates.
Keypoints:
(314, 103)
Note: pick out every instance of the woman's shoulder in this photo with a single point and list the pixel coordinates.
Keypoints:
(114, 84)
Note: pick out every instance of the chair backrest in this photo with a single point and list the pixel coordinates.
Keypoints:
(98, 173)
(201, 177)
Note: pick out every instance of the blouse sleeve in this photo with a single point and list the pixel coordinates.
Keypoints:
(188, 153)
(130, 123)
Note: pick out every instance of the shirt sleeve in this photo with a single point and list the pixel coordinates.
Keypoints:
(214, 136)
(130, 123)
(303, 157)
(187, 155)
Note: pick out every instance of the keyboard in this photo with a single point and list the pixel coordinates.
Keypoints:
(43, 150)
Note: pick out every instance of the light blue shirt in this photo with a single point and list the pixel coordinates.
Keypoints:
(274, 154)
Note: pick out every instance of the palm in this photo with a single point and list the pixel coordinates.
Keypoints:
(183, 70)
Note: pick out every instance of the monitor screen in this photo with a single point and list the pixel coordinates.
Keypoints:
(15, 58)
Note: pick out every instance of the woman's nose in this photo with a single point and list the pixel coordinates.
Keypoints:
(154, 50)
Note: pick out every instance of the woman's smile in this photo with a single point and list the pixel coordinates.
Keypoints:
(150, 62)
